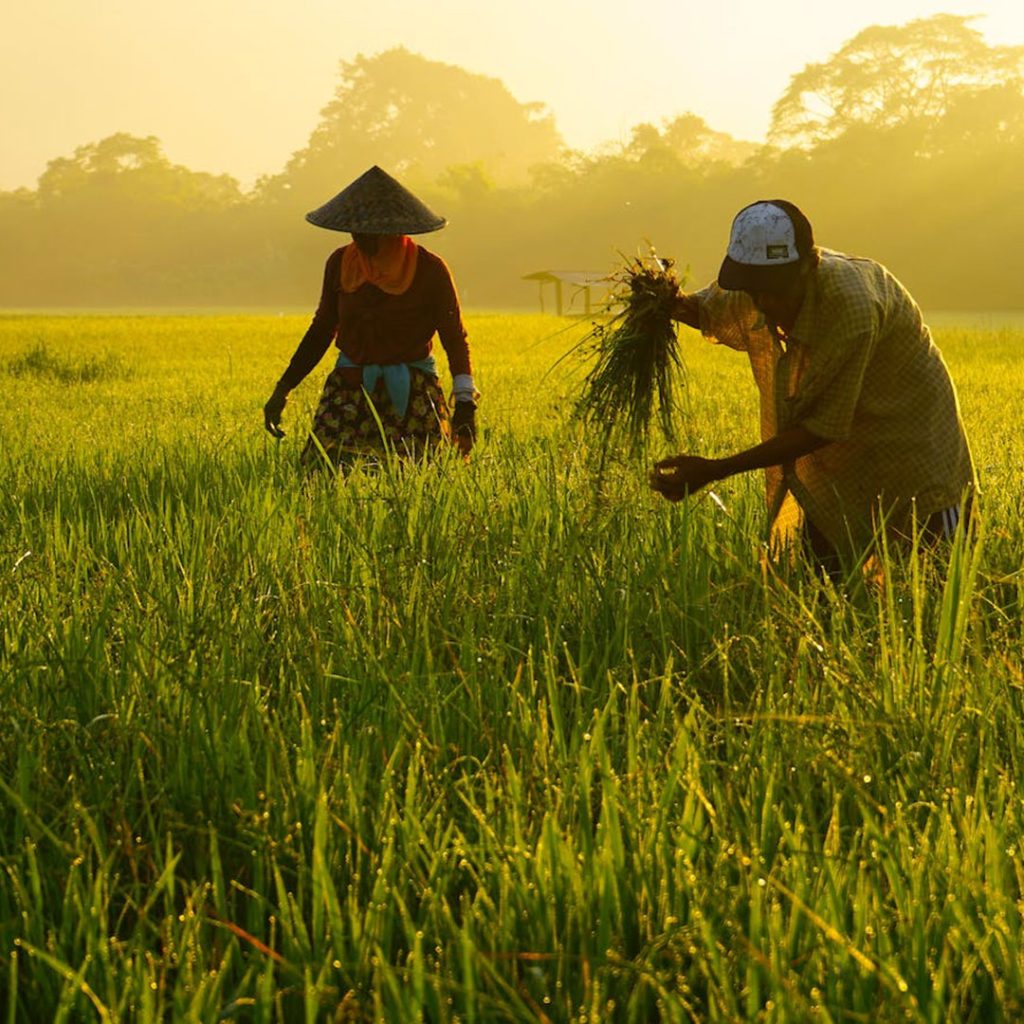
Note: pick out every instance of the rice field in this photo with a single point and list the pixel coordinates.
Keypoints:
(496, 741)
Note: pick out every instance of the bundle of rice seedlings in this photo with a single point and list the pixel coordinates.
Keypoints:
(634, 381)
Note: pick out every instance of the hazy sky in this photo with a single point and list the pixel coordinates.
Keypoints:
(237, 85)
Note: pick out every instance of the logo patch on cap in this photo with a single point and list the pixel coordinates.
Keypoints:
(778, 252)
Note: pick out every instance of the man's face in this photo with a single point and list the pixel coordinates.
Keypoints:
(780, 307)
(772, 304)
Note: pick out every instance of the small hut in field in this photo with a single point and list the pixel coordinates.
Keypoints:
(575, 291)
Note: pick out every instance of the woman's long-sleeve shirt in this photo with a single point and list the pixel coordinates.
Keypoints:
(371, 326)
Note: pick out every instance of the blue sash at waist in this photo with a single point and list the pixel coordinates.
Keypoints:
(396, 378)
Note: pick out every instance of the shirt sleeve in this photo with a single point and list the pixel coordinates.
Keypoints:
(450, 328)
(322, 329)
(835, 362)
(728, 317)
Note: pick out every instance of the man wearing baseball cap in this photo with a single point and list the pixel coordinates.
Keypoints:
(860, 423)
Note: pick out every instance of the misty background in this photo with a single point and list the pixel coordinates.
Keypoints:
(905, 145)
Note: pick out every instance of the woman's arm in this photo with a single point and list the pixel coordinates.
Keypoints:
(311, 349)
(320, 333)
(450, 328)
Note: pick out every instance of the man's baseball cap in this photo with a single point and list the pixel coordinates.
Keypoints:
(767, 242)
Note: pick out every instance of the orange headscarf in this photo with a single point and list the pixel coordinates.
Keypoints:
(391, 268)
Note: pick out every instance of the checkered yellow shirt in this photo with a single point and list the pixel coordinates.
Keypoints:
(859, 368)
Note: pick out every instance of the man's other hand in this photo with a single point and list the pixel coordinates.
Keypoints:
(681, 475)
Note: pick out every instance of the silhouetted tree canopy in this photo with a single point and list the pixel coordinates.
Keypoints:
(906, 145)
(415, 118)
(907, 77)
(117, 222)
(132, 168)
(689, 140)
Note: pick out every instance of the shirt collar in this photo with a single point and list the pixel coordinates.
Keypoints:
(803, 326)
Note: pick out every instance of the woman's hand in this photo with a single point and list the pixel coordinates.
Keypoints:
(681, 475)
(272, 412)
(464, 426)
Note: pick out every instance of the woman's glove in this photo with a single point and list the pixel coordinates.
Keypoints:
(272, 411)
(464, 426)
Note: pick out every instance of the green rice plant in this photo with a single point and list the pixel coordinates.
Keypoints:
(458, 741)
(637, 368)
(41, 362)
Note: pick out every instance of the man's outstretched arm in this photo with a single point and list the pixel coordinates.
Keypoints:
(681, 475)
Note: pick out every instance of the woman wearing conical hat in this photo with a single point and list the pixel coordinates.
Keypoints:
(384, 299)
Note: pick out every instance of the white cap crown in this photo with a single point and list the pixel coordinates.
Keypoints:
(763, 236)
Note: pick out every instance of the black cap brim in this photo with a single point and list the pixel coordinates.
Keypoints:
(746, 277)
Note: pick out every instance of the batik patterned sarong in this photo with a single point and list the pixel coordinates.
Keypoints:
(349, 424)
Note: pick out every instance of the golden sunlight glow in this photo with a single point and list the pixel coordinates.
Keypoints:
(236, 86)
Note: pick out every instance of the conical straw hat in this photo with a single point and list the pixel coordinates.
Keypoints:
(376, 204)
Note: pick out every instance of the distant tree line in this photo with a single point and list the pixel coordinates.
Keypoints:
(906, 145)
